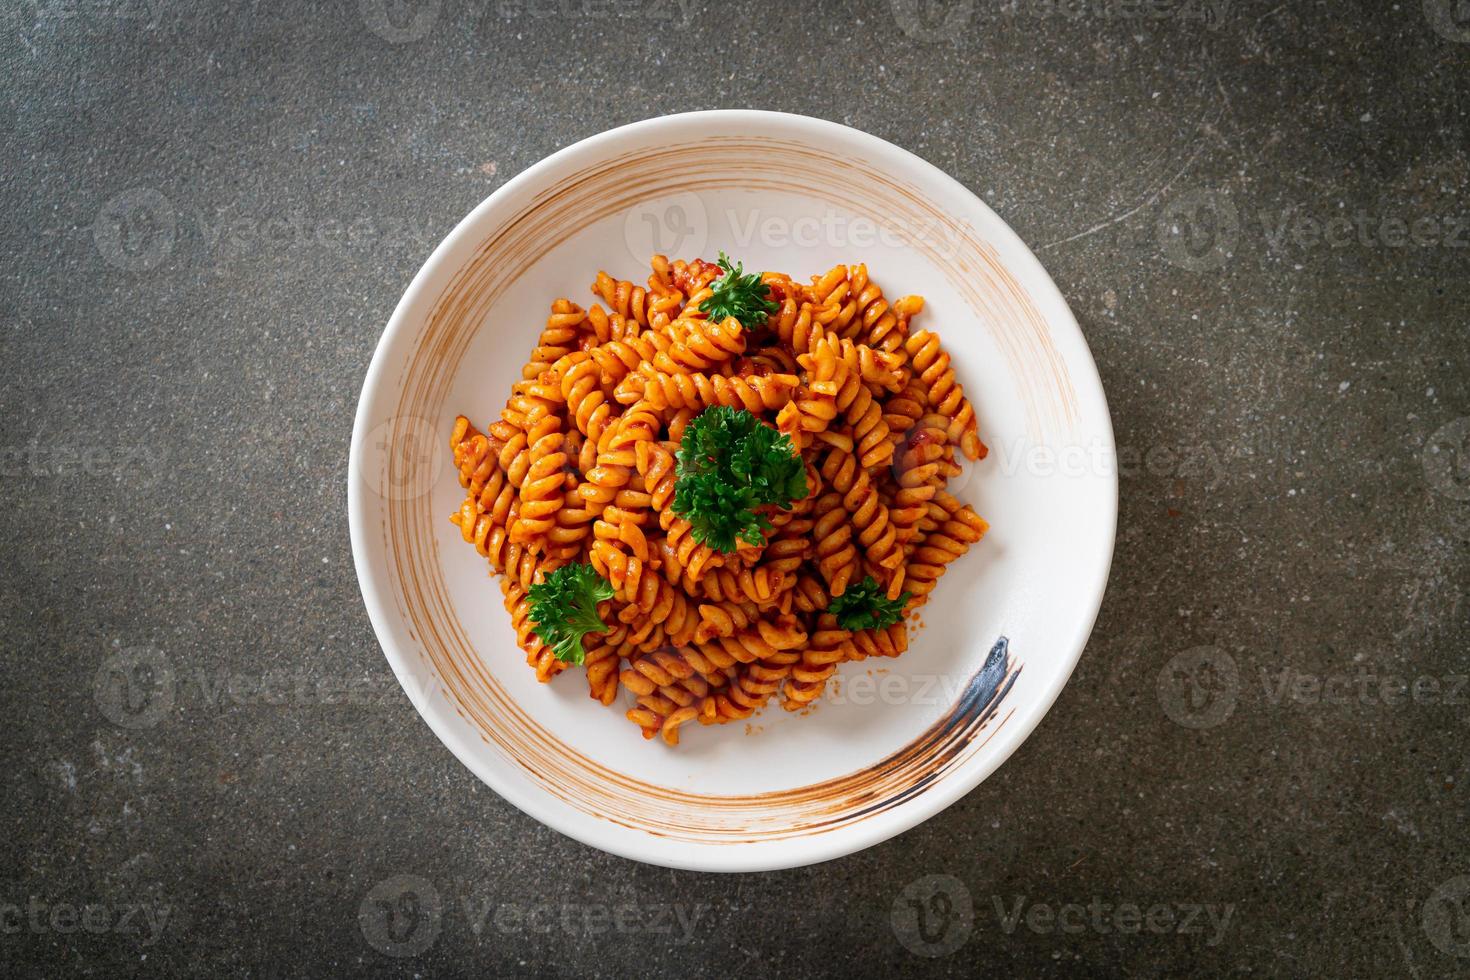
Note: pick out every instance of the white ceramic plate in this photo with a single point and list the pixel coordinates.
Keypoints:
(894, 742)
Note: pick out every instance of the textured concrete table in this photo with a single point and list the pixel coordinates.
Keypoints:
(1258, 212)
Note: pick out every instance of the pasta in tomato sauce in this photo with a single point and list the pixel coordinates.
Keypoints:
(582, 466)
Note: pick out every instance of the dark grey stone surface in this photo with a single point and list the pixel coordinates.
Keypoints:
(209, 211)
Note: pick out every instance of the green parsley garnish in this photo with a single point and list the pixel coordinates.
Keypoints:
(564, 609)
(746, 298)
(867, 607)
(729, 464)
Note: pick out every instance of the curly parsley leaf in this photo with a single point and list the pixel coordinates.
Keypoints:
(745, 297)
(866, 606)
(718, 512)
(729, 465)
(765, 460)
(564, 609)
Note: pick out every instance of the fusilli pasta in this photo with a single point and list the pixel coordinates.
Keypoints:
(583, 466)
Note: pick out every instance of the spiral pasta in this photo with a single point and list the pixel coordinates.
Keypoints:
(701, 344)
(945, 394)
(690, 389)
(558, 339)
(830, 645)
(581, 467)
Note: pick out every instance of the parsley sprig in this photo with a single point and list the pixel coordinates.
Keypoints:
(866, 606)
(730, 464)
(564, 609)
(746, 298)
